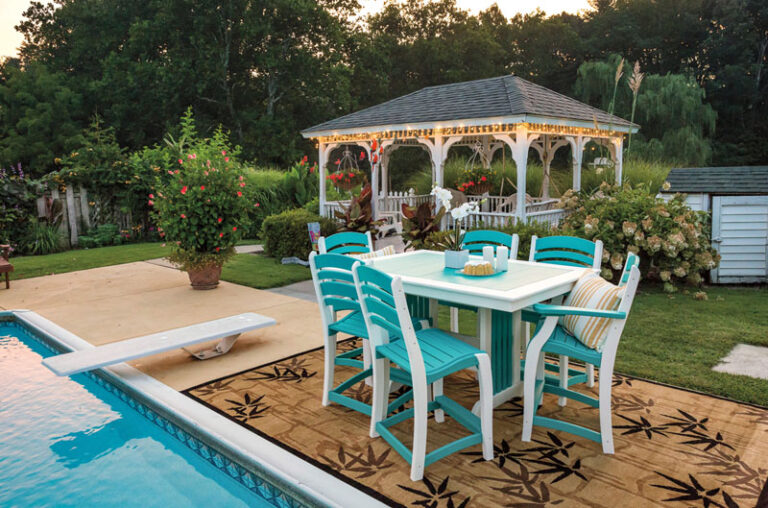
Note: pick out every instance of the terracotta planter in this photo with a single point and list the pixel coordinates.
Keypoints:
(205, 278)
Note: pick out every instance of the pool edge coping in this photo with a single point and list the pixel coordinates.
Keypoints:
(278, 465)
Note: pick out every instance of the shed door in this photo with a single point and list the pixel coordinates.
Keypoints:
(740, 234)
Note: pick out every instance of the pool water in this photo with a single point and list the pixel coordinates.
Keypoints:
(70, 442)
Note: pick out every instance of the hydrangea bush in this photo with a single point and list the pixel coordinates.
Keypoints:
(671, 239)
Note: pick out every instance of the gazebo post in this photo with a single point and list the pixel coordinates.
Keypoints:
(618, 162)
(577, 154)
(324, 151)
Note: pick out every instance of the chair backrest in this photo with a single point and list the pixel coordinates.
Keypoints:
(566, 250)
(334, 284)
(348, 242)
(386, 315)
(475, 240)
(632, 260)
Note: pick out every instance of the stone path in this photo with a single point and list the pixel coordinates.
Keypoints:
(745, 360)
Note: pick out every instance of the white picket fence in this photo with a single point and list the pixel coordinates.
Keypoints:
(481, 219)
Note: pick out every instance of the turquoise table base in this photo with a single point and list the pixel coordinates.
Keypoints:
(501, 341)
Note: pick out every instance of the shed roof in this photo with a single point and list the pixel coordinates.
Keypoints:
(503, 96)
(719, 180)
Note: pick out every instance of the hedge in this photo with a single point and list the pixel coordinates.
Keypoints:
(286, 234)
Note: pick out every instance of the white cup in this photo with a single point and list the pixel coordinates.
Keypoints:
(488, 256)
(502, 259)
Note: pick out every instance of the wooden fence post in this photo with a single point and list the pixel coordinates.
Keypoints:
(85, 209)
(71, 215)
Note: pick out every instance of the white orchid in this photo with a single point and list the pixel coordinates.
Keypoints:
(464, 210)
(443, 197)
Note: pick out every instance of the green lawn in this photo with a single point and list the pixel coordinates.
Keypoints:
(261, 272)
(673, 339)
(677, 340)
(69, 261)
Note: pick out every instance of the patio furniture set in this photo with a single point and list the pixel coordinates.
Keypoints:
(391, 302)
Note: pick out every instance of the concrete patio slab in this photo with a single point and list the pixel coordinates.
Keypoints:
(304, 290)
(745, 360)
(113, 303)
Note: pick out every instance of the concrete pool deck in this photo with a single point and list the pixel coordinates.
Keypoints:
(118, 302)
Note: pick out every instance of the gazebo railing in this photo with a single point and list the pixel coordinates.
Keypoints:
(551, 218)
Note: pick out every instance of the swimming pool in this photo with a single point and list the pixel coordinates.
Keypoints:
(81, 441)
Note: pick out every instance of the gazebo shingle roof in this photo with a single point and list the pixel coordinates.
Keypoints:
(719, 180)
(501, 96)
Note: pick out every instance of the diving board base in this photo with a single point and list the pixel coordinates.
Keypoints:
(221, 348)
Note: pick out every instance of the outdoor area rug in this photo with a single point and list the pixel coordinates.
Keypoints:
(673, 447)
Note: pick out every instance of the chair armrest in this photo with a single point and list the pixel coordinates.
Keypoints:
(561, 310)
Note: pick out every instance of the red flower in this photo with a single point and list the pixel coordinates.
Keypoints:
(220, 219)
(256, 205)
(151, 196)
(312, 169)
(362, 155)
(375, 158)
(242, 184)
(338, 161)
(217, 249)
(221, 235)
(176, 172)
(301, 162)
(351, 175)
(381, 149)
(374, 145)
(183, 216)
(234, 228)
(482, 179)
(327, 177)
(226, 159)
(202, 187)
(305, 159)
(184, 190)
(239, 194)
(181, 161)
(471, 184)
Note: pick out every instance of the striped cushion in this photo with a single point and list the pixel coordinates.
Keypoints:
(386, 251)
(591, 292)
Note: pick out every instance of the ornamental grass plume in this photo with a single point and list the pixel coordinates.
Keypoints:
(635, 80)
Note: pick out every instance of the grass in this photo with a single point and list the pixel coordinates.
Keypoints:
(70, 261)
(260, 272)
(677, 340)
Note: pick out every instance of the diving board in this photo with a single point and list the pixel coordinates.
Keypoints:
(227, 329)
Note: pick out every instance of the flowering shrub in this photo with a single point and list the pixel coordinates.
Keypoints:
(476, 180)
(671, 239)
(200, 209)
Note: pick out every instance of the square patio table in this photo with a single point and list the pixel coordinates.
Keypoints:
(499, 299)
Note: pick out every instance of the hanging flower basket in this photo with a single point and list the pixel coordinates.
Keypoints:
(475, 179)
(347, 180)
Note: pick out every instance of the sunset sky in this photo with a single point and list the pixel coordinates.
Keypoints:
(11, 10)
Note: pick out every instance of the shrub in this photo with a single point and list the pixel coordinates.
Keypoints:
(17, 205)
(671, 239)
(286, 234)
(525, 232)
(42, 238)
(101, 236)
(201, 209)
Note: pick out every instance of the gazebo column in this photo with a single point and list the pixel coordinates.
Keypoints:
(577, 154)
(546, 149)
(519, 147)
(324, 151)
(618, 157)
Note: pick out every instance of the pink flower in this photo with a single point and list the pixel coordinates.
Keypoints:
(256, 205)
(184, 190)
(151, 203)
(151, 196)
(242, 184)
(241, 178)
(223, 152)
(221, 235)
(183, 216)
(176, 172)
(189, 156)
(338, 161)
(171, 172)
(220, 219)
(226, 159)
(205, 173)
(181, 161)
(239, 194)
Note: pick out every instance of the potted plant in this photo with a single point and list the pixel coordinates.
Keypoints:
(455, 256)
(419, 222)
(199, 207)
(475, 180)
(358, 216)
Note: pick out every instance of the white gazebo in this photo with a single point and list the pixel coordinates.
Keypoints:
(486, 113)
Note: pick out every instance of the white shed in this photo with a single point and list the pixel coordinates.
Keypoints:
(737, 198)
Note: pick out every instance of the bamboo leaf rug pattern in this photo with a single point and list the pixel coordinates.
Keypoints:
(673, 447)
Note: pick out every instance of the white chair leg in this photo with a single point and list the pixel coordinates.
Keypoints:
(529, 392)
(606, 426)
(562, 401)
(380, 397)
(486, 404)
(454, 320)
(367, 359)
(419, 451)
(437, 390)
(330, 363)
(590, 375)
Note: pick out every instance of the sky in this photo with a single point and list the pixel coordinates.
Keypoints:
(11, 13)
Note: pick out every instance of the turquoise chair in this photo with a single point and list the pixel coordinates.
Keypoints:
(552, 338)
(474, 241)
(346, 243)
(428, 356)
(568, 251)
(335, 291)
